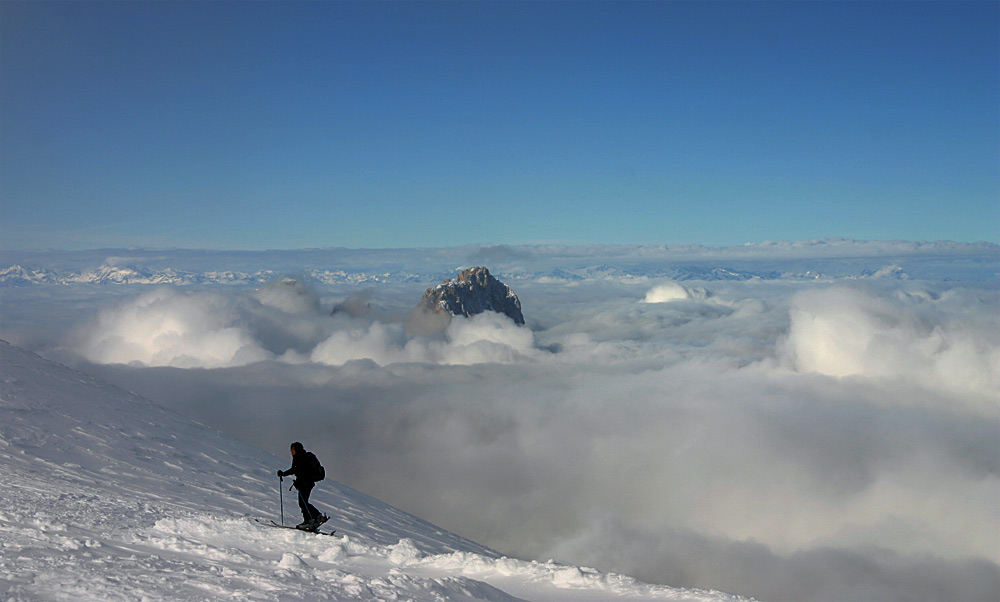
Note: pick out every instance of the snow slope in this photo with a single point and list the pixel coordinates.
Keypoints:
(107, 496)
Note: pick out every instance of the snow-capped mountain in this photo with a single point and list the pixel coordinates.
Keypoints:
(16, 275)
(108, 496)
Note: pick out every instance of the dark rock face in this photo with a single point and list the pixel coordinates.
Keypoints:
(473, 292)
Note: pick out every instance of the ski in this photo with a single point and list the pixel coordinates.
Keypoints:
(271, 523)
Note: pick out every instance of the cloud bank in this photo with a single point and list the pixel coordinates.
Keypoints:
(283, 321)
(786, 440)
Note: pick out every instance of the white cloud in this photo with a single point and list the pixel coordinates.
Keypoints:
(484, 338)
(167, 327)
(666, 292)
(850, 331)
(382, 343)
(289, 295)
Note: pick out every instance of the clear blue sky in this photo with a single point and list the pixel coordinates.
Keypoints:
(289, 125)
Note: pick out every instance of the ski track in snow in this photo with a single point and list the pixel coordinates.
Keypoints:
(107, 496)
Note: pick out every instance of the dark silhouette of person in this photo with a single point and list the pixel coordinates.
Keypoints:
(306, 469)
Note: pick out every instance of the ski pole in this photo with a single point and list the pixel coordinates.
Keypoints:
(281, 497)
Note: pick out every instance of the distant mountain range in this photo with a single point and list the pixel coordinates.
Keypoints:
(17, 275)
(817, 259)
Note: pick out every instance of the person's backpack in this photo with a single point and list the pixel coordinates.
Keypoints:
(315, 470)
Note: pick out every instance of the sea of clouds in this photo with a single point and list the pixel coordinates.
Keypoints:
(791, 439)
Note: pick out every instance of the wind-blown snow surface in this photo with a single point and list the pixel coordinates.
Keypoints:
(106, 496)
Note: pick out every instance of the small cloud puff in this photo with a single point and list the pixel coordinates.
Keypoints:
(667, 292)
(672, 291)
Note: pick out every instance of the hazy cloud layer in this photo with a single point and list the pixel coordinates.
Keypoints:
(788, 440)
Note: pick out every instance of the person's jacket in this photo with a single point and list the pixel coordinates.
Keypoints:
(302, 467)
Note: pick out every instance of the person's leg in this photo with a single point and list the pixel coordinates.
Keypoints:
(311, 512)
(308, 511)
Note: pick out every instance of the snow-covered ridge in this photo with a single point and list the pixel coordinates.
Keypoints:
(108, 496)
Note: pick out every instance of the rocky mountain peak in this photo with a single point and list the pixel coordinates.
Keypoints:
(473, 292)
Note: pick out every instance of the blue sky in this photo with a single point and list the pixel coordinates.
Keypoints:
(292, 125)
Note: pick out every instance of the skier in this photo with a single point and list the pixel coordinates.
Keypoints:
(307, 470)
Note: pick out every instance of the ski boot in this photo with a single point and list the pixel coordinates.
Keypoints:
(322, 518)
